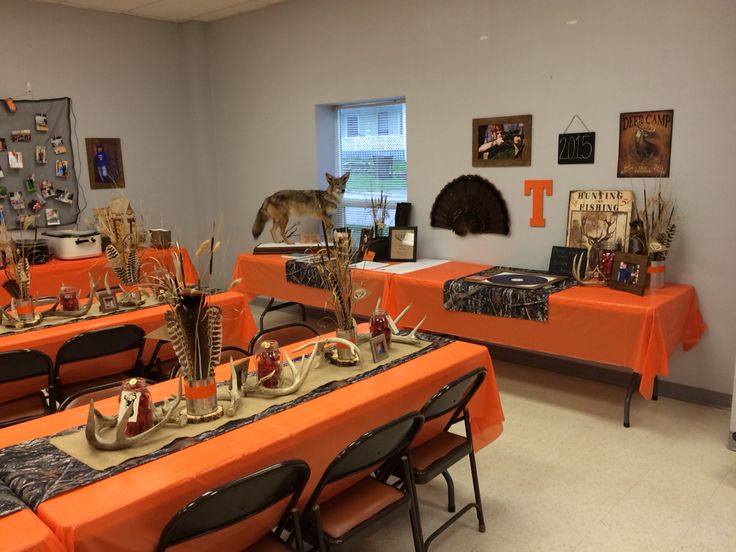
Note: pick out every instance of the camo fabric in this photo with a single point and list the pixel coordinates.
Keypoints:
(525, 304)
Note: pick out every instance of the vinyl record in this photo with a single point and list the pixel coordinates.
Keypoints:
(517, 280)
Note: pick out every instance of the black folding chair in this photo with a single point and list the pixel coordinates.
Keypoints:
(29, 402)
(97, 344)
(356, 510)
(97, 392)
(285, 335)
(436, 456)
(239, 500)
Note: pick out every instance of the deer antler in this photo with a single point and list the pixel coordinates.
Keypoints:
(73, 314)
(96, 420)
(298, 375)
(596, 278)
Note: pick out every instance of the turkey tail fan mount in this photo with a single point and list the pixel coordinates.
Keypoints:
(470, 204)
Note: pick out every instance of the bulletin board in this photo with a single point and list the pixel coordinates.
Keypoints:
(37, 164)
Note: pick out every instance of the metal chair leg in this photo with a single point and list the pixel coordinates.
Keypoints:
(476, 490)
(450, 491)
(635, 379)
(416, 522)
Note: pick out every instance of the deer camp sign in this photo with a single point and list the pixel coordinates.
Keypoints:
(597, 219)
(645, 143)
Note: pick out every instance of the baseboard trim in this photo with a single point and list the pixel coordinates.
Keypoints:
(606, 374)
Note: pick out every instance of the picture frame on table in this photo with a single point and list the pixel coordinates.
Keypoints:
(629, 273)
(108, 301)
(402, 243)
(379, 348)
(366, 235)
(502, 141)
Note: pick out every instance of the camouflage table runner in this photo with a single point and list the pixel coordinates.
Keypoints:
(304, 274)
(36, 470)
(9, 502)
(525, 304)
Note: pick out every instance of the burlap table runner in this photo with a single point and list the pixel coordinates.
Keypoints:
(76, 445)
(94, 312)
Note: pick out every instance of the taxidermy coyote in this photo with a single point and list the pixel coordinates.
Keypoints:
(320, 203)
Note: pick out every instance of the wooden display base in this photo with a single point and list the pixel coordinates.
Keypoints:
(195, 419)
(331, 355)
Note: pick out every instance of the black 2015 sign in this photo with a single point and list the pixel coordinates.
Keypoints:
(576, 148)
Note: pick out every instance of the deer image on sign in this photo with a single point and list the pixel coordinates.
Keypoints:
(596, 217)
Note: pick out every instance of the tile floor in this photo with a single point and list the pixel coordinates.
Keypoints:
(565, 475)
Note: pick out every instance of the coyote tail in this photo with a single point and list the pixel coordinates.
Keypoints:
(261, 220)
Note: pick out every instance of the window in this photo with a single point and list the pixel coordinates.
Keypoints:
(370, 143)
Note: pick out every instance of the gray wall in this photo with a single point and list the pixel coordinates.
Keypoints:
(126, 80)
(269, 68)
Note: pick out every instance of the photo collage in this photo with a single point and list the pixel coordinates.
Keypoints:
(37, 180)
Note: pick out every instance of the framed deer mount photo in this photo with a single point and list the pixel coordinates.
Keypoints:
(645, 143)
(595, 217)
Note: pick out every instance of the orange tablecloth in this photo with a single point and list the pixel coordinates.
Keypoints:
(238, 328)
(127, 512)
(46, 279)
(23, 531)
(588, 323)
(266, 275)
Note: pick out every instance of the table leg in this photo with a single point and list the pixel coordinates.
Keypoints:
(633, 386)
(655, 391)
(271, 307)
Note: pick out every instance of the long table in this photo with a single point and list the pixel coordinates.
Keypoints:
(265, 275)
(585, 323)
(127, 511)
(47, 278)
(238, 329)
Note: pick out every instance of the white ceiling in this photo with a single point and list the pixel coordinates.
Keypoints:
(178, 11)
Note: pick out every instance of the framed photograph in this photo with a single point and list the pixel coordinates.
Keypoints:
(645, 144)
(379, 349)
(402, 243)
(108, 301)
(105, 163)
(366, 235)
(595, 217)
(629, 273)
(502, 141)
(3, 144)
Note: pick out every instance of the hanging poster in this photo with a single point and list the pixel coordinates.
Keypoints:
(645, 144)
